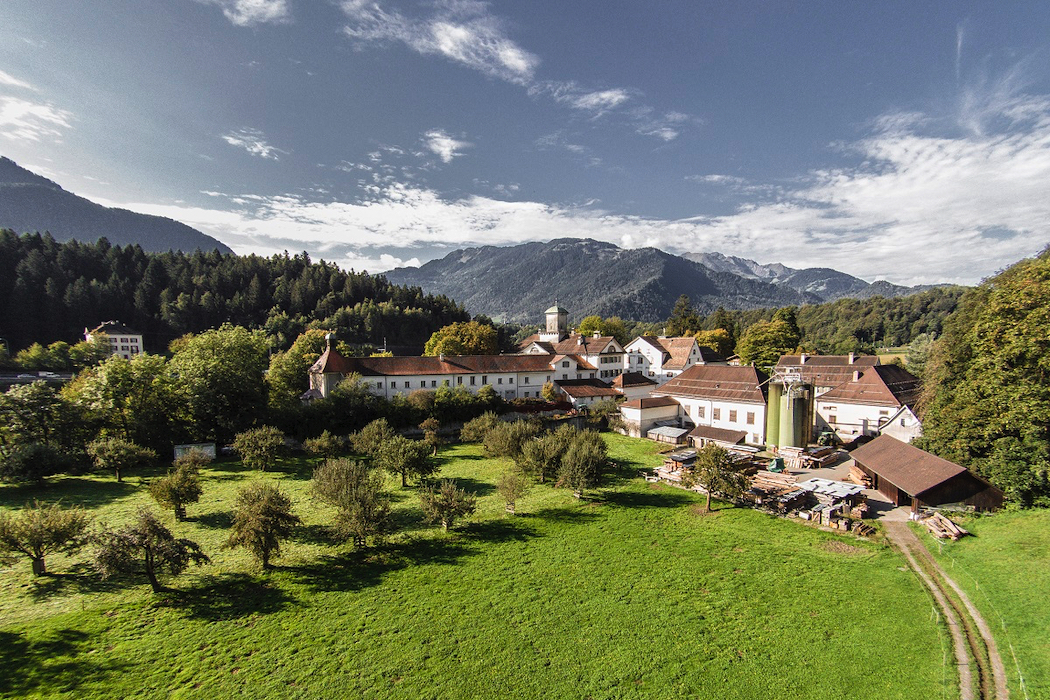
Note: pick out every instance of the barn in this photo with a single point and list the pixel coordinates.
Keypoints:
(910, 476)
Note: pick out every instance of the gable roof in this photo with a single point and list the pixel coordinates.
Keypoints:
(905, 466)
(677, 350)
(580, 362)
(827, 370)
(112, 328)
(584, 345)
(649, 402)
(880, 385)
(722, 382)
(632, 379)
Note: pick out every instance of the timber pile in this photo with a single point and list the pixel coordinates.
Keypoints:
(772, 481)
(943, 528)
(857, 476)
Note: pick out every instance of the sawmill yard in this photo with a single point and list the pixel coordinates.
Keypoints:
(632, 592)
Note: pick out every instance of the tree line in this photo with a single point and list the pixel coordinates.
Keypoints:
(49, 291)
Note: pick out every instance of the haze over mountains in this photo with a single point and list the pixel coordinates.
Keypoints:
(30, 203)
(590, 277)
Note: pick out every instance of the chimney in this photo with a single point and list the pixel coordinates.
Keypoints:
(852, 357)
(579, 340)
(441, 357)
(597, 334)
(856, 375)
(802, 358)
(328, 340)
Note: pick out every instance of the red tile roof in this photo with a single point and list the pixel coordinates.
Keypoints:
(827, 370)
(722, 382)
(584, 345)
(881, 385)
(678, 350)
(332, 361)
(632, 379)
(649, 402)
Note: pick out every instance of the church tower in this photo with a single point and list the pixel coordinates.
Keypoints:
(557, 324)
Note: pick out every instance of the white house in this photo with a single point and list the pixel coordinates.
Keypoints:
(662, 359)
(600, 351)
(639, 415)
(903, 425)
(511, 376)
(721, 396)
(824, 372)
(122, 340)
(584, 392)
(869, 400)
(633, 385)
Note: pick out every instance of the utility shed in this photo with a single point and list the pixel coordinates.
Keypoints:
(907, 475)
(666, 433)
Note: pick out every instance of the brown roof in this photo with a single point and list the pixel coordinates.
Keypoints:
(580, 362)
(724, 382)
(629, 379)
(332, 361)
(546, 346)
(650, 402)
(113, 328)
(678, 350)
(583, 345)
(881, 385)
(827, 370)
(905, 466)
(733, 437)
(581, 388)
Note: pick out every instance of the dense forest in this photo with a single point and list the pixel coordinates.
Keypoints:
(50, 291)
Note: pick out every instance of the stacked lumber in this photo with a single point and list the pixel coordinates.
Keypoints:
(772, 481)
(943, 528)
(857, 476)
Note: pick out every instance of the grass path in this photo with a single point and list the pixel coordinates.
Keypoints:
(632, 593)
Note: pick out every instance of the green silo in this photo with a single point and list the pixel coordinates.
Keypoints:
(794, 413)
(773, 415)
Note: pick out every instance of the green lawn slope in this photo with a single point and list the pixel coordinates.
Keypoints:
(631, 593)
(1005, 569)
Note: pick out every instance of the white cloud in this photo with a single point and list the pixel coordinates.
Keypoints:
(248, 13)
(444, 145)
(460, 31)
(254, 142)
(23, 120)
(11, 81)
(717, 179)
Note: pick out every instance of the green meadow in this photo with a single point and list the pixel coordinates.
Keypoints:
(632, 592)
(1005, 570)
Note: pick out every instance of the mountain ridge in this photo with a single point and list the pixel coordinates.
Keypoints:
(32, 203)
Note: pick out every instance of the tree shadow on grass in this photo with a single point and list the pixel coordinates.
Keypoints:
(80, 491)
(565, 516)
(664, 498)
(49, 665)
(79, 578)
(228, 597)
(478, 488)
(497, 531)
(365, 568)
(216, 520)
(316, 534)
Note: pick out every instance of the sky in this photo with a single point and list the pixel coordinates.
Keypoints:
(906, 141)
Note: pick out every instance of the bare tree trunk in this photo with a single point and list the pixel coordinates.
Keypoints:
(151, 574)
(180, 512)
(118, 475)
(708, 509)
(39, 568)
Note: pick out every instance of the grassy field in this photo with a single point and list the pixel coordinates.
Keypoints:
(1005, 569)
(633, 592)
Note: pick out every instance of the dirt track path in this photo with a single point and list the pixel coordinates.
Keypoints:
(981, 671)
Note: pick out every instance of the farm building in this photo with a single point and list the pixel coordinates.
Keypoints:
(907, 475)
(641, 414)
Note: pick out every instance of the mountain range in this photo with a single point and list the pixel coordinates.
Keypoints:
(586, 276)
(31, 203)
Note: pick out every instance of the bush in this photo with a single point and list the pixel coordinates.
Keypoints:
(476, 429)
(325, 445)
(32, 462)
(39, 530)
(262, 517)
(356, 491)
(119, 455)
(180, 487)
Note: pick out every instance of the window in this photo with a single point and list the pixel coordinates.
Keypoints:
(565, 363)
(459, 380)
(732, 416)
(750, 417)
(500, 380)
(564, 376)
(484, 379)
(472, 380)
(379, 385)
(433, 382)
(526, 380)
(124, 347)
(700, 412)
(884, 413)
(833, 419)
(123, 340)
(510, 380)
(904, 422)
(716, 413)
(393, 385)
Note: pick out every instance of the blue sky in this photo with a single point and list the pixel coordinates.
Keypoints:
(904, 141)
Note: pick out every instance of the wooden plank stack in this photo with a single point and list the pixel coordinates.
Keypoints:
(943, 528)
(772, 481)
(857, 476)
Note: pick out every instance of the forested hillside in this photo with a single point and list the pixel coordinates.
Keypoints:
(50, 291)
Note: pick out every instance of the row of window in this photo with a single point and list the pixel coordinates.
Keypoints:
(407, 384)
(716, 414)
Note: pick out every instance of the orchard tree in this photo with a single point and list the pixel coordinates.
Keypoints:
(446, 503)
(356, 492)
(407, 458)
(509, 437)
(431, 437)
(39, 530)
(371, 437)
(259, 447)
(221, 373)
(325, 445)
(541, 458)
(583, 463)
(463, 338)
(147, 545)
(119, 455)
(476, 429)
(32, 462)
(262, 517)
(715, 471)
(512, 486)
(180, 487)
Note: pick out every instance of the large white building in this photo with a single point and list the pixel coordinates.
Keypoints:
(511, 376)
(662, 359)
(122, 340)
(878, 398)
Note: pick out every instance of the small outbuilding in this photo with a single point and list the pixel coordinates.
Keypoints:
(910, 476)
(669, 434)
